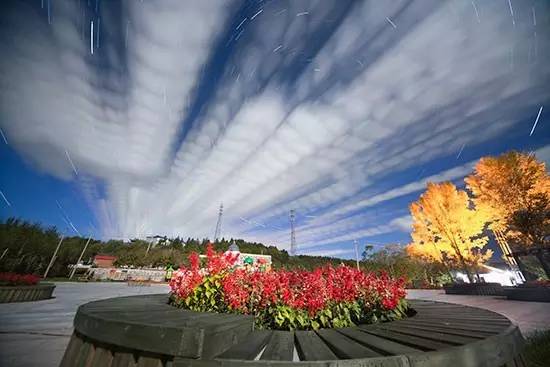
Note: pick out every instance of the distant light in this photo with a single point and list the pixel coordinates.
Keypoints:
(92, 37)
(255, 15)
(4, 197)
(392, 23)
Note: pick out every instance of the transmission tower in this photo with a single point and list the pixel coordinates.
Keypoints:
(292, 232)
(219, 224)
(503, 243)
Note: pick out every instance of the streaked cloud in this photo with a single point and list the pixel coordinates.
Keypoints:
(185, 105)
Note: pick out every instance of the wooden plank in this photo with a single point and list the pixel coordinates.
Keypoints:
(455, 315)
(468, 333)
(149, 362)
(488, 316)
(344, 347)
(102, 357)
(387, 347)
(249, 348)
(479, 320)
(85, 356)
(72, 351)
(123, 359)
(453, 323)
(459, 313)
(412, 341)
(311, 348)
(433, 335)
(469, 315)
(280, 346)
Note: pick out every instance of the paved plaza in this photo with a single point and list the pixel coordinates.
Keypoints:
(529, 316)
(36, 333)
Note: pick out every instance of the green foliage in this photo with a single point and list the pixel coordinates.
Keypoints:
(394, 260)
(207, 296)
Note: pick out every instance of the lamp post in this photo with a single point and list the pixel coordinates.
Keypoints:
(80, 257)
(53, 257)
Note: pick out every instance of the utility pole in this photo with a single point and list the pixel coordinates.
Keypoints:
(53, 257)
(356, 254)
(149, 247)
(80, 257)
(292, 217)
(217, 233)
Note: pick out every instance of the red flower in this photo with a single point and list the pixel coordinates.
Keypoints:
(19, 279)
(251, 292)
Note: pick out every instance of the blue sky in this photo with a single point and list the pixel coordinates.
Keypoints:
(129, 118)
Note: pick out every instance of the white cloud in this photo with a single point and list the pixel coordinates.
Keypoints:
(320, 126)
(544, 154)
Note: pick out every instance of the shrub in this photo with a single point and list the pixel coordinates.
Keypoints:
(18, 279)
(537, 348)
(325, 297)
(537, 283)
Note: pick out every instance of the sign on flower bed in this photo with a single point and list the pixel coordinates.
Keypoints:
(288, 300)
(23, 287)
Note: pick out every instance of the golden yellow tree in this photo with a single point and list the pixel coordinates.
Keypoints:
(504, 185)
(448, 229)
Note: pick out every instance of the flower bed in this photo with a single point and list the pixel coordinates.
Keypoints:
(288, 300)
(12, 279)
(145, 331)
(23, 288)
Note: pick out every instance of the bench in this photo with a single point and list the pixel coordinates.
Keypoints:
(146, 331)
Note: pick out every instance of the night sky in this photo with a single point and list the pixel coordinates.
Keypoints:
(123, 119)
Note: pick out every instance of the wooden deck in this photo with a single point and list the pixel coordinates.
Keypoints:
(145, 331)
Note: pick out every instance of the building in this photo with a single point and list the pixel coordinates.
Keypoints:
(495, 274)
(104, 261)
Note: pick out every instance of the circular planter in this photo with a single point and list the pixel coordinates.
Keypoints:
(474, 289)
(146, 331)
(26, 293)
(528, 293)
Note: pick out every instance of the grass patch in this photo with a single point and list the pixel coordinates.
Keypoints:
(537, 349)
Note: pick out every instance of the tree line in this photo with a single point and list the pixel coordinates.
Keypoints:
(28, 248)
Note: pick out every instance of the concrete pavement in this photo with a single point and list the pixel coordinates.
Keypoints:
(529, 316)
(37, 333)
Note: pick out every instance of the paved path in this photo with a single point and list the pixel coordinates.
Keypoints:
(528, 315)
(35, 334)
